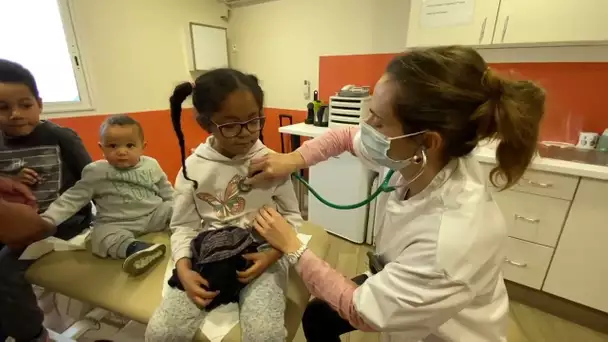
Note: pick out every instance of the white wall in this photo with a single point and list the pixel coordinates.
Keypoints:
(281, 41)
(134, 51)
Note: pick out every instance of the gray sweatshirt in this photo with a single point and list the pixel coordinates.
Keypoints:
(119, 194)
(217, 202)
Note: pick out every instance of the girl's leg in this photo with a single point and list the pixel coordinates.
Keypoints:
(262, 306)
(321, 323)
(176, 319)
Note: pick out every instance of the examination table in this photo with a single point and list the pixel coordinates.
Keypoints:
(102, 283)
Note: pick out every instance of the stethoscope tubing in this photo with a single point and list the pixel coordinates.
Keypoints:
(384, 187)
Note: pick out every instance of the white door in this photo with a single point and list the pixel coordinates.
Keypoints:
(423, 31)
(546, 21)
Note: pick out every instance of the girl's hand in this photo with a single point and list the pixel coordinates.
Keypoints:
(261, 262)
(28, 176)
(274, 166)
(276, 230)
(193, 284)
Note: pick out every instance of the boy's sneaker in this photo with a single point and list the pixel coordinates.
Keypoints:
(142, 256)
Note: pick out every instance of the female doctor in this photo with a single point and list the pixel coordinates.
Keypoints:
(442, 237)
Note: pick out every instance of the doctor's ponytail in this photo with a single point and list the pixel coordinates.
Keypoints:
(452, 91)
(511, 115)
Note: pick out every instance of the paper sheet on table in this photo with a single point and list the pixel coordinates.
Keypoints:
(50, 244)
(222, 319)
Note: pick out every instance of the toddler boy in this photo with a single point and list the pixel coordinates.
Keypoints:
(131, 193)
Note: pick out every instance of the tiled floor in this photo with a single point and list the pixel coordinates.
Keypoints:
(526, 325)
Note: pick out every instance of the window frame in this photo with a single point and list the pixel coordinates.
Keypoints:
(85, 103)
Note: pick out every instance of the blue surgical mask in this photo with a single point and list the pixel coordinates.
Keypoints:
(377, 145)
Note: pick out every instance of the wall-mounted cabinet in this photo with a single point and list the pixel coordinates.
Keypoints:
(478, 31)
(495, 22)
(543, 21)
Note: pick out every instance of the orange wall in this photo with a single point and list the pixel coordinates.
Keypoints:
(575, 102)
(162, 143)
(575, 91)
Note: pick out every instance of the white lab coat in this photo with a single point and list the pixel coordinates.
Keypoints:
(444, 248)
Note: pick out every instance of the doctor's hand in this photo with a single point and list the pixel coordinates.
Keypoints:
(261, 262)
(274, 166)
(194, 284)
(276, 230)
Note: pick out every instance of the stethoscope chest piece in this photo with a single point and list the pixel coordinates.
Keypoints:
(244, 188)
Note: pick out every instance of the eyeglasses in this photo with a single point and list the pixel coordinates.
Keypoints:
(233, 129)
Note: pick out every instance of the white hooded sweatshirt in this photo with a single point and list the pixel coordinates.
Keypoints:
(217, 201)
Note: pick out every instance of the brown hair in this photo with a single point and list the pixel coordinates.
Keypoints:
(451, 90)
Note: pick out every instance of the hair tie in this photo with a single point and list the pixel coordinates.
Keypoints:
(493, 84)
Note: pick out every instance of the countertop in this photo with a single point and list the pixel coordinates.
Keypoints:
(590, 164)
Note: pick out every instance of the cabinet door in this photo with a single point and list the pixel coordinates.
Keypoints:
(478, 31)
(544, 21)
(533, 218)
(526, 263)
(579, 270)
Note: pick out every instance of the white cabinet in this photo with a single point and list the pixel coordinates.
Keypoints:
(341, 180)
(477, 32)
(579, 270)
(546, 21)
(526, 263)
(515, 22)
(531, 217)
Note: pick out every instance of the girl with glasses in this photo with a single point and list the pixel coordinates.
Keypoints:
(228, 104)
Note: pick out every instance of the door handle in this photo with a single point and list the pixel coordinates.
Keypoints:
(538, 184)
(529, 220)
(483, 29)
(504, 29)
(515, 263)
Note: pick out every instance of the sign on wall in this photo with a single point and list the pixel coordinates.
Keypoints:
(438, 13)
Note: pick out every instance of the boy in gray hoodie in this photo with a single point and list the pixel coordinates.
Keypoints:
(132, 195)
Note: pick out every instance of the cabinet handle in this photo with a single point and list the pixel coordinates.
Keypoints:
(538, 184)
(515, 263)
(483, 29)
(504, 29)
(523, 218)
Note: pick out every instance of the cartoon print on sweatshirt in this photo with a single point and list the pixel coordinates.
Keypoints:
(230, 204)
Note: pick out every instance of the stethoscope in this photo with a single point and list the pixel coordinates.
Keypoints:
(383, 188)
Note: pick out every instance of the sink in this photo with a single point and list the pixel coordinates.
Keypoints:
(593, 157)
